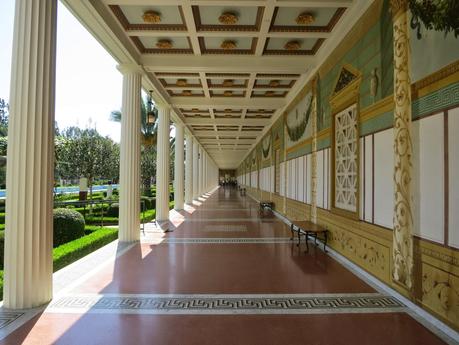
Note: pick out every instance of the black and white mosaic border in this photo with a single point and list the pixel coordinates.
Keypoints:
(226, 304)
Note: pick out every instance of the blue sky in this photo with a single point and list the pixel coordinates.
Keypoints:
(88, 85)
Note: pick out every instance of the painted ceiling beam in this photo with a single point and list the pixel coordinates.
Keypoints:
(227, 64)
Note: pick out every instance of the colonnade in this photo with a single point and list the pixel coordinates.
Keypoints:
(29, 205)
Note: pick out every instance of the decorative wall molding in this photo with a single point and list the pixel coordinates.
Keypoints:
(442, 78)
(382, 106)
(402, 248)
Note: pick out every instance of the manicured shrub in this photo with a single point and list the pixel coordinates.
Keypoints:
(68, 226)
(113, 210)
(2, 248)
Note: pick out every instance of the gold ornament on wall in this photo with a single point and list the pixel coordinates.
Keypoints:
(292, 45)
(228, 111)
(186, 93)
(228, 18)
(181, 82)
(195, 110)
(305, 18)
(164, 44)
(228, 93)
(228, 82)
(151, 17)
(274, 83)
(228, 45)
(269, 93)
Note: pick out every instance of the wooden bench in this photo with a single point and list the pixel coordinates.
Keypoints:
(242, 191)
(307, 228)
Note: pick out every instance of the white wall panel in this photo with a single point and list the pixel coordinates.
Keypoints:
(326, 185)
(384, 178)
(368, 178)
(300, 178)
(294, 181)
(308, 178)
(282, 179)
(453, 190)
(428, 164)
(361, 182)
(272, 178)
(320, 179)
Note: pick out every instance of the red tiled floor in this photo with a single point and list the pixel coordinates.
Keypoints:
(337, 329)
(224, 268)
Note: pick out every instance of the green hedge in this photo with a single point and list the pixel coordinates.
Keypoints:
(67, 253)
(68, 225)
(72, 251)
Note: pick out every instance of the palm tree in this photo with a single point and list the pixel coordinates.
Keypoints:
(148, 140)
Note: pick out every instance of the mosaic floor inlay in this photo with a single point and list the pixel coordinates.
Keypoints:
(227, 304)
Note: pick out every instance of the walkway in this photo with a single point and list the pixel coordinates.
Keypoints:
(223, 276)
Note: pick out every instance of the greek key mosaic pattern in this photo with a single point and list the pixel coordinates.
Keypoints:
(403, 152)
(226, 240)
(438, 100)
(7, 317)
(196, 304)
(225, 228)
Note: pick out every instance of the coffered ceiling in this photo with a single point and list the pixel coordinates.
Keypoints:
(226, 67)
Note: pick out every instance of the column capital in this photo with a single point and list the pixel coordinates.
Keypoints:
(397, 6)
(130, 68)
(163, 106)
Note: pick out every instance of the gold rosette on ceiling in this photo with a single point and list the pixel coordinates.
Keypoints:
(228, 45)
(292, 45)
(164, 44)
(305, 18)
(228, 18)
(151, 17)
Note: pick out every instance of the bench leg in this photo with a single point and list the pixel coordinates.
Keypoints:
(299, 238)
(325, 241)
(291, 230)
(307, 245)
(315, 239)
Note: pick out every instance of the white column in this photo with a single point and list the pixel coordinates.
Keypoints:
(162, 164)
(179, 168)
(29, 203)
(189, 170)
(201, 170)
(129, 218)
(195, 170)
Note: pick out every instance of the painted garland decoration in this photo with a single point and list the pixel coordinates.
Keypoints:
(266, 146)
(296, 124)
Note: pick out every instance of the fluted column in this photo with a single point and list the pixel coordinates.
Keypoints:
(189, 170)
(179, 168)
(195, 170)
(201, 170)
(403, 214)
(314, 155)
(129, 219)
(162, 163)
(29, 203)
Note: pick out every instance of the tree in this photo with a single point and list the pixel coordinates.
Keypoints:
(4, 109)
(85, 153)
(148, 140)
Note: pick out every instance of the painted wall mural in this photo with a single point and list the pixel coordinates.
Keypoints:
(266, 147)
(298, 121)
